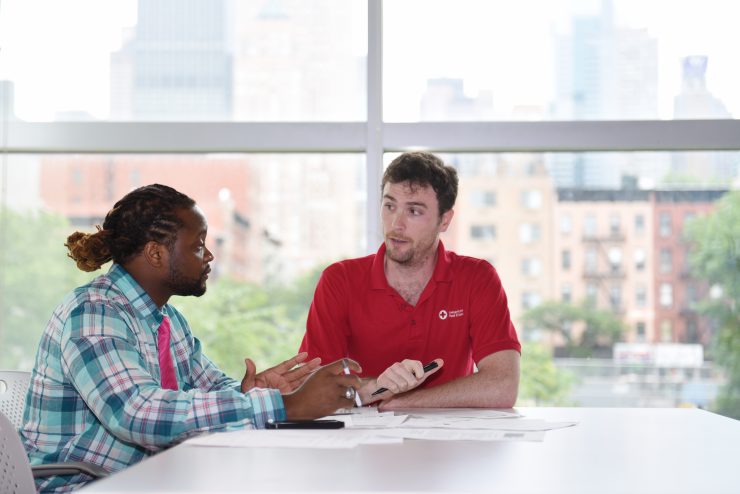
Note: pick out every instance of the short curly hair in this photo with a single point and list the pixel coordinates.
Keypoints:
(424, 169)
(145, 214)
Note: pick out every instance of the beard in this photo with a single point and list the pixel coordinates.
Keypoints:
(414, 254)
(182, 285)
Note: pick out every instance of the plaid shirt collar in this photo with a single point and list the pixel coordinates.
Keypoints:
(137, 296)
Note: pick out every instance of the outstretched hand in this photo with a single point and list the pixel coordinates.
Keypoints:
(324, 392)
(285, 376)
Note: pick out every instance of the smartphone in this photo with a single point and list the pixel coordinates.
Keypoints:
(304, 424)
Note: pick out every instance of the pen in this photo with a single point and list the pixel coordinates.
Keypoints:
(345, 367)
(427, 368)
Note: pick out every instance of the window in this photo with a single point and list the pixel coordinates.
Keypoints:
(529, 233)
(531, 199)
(284, 92)
(639, 256)
(555, 60)
(665, 224)
(531, 266)
(666, 260)
(530, 300)
(692, 295)
(666, 295)
(589, 226)
(639, 225)
(615, 297)
(482, 198)
(565, 260)
(615, 259)
(592, 260)
(614, 220)
(692, 331)
(483, 232)
(640, 295)
(640, 331)
(566, 224)
(566, 293)
(666, 330)
(592, 293)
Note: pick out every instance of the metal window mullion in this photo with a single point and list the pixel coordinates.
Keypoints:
(375, 126)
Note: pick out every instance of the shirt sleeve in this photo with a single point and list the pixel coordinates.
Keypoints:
(101, 358)
(491, 327)
(327, 325)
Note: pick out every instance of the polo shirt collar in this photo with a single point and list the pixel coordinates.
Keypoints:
(136, 295)
(442, 270)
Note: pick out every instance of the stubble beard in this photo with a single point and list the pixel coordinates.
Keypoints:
(183, 286)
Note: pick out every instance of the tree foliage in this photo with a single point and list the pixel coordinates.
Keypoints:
(601, 328)
(236, 319)
(35, 273)
(715, 257)
(542, 383)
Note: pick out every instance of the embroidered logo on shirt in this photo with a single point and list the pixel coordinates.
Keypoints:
(443, 314)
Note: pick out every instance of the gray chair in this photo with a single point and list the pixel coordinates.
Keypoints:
(13, 389)
(16, 472)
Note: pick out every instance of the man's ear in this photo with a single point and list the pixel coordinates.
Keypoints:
(155, 254)
(446, 219)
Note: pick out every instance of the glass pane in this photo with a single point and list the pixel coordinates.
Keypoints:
(599, 300)
(560, 60)
(274, 222)
(184, 60)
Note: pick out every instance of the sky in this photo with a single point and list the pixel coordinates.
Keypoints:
(58, 53)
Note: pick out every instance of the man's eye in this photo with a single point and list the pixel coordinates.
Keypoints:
(415, 212)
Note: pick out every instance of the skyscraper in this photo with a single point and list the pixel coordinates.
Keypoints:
(605, 73)
(178, 64)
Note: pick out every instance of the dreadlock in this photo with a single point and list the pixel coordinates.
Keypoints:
(420, 168)
(146, 214)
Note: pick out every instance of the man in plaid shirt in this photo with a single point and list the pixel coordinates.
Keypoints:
(97, 391)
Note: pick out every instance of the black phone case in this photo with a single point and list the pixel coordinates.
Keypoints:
(305, 424)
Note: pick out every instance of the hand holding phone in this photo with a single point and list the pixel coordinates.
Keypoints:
(429, 367)
(304, 424)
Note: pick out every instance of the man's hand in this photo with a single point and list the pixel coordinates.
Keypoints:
(398, 378)
(323, 392)
(283, 376)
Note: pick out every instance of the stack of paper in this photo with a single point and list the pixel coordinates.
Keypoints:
(368, 426)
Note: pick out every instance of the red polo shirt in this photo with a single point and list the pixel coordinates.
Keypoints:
(462, 316)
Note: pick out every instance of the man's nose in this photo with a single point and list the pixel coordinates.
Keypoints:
(397, 222)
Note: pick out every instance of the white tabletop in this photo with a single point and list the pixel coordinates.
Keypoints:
(611, 450)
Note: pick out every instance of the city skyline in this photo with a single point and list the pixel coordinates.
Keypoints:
(81, 82)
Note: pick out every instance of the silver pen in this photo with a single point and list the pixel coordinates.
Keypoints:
(345, 367)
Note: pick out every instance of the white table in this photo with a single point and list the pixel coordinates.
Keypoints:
(611, 450)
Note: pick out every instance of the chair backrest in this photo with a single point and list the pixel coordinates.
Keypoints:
(13, 389)
(15, 469)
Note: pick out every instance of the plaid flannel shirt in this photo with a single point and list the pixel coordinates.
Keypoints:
(96, 392)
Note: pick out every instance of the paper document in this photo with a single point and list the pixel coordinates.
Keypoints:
(286, 438)
(502, 424)
(468, 413)
(366, 421)
(465, 435)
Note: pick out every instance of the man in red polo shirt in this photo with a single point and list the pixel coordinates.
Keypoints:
(414, 302)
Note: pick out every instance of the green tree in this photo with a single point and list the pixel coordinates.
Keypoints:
(715, 257)
(601, 328)
(236, 319)
(35, 274)
(542, 383)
